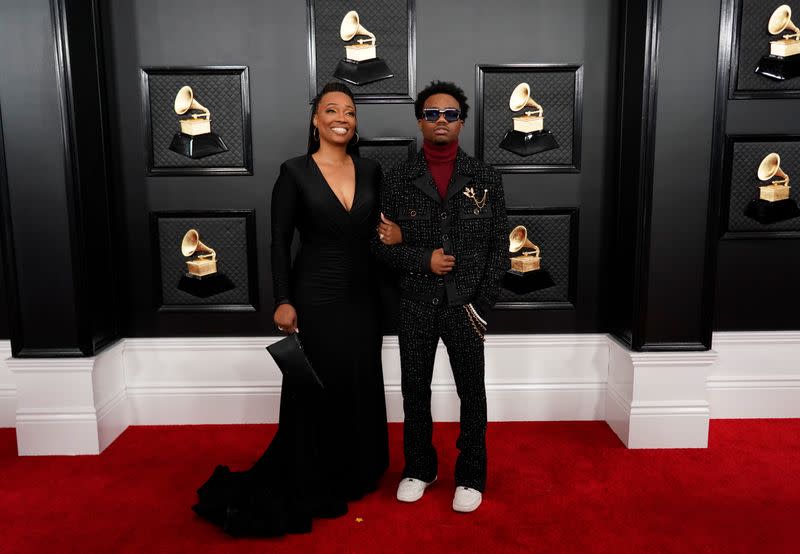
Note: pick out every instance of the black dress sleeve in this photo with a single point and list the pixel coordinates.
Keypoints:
(284, 209)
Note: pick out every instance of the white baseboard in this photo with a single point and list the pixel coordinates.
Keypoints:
(221, 380)
(658, 399)
(70, 406)
(757, 375)
(82, 405)
(54, 435)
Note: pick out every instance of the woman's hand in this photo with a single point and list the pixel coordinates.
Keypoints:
(286, 319)
(389, 232)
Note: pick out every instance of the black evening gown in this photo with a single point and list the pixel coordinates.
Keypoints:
(331, 445)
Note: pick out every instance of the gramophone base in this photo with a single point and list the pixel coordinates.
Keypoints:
(197, 146)
(772, 212)
(208, 285)
(526, 144)
(530, 281)
(779, 68)
(361, 73)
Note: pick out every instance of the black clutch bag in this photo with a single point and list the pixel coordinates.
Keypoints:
(293, 363)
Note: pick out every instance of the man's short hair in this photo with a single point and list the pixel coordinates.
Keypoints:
(441, 87)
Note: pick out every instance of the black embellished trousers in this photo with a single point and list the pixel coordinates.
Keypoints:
(421, 326)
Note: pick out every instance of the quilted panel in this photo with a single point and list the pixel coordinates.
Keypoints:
(386, 19)
(754, 39)
(221, 94)
(744, 182)
(552, 234)
(554, 90)
(226, 235)
(387, 155)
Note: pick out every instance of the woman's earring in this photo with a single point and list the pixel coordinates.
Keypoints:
(315, 134)
(357, 138)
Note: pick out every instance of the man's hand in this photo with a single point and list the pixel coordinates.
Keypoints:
(441, 263)
(286, 319)
(389, 232)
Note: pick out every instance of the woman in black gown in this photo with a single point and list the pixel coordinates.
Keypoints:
(331, 445)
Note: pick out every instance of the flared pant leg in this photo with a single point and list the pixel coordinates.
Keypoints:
(421, 326)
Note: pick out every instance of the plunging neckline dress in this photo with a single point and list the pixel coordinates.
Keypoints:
(331, 446)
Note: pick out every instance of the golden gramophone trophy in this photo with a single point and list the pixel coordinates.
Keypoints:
(529, 135)
(205, 263)
(201, 278)
(361, 64)
(783, 61)
(773, 203)
(195, 139)
(530, 255)
(526, 273)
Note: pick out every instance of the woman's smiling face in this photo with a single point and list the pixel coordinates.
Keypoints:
(335, 118)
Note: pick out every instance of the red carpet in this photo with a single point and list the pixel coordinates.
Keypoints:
(553, 487)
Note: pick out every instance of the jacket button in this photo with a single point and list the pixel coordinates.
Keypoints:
(413, 213)
(440, 281)
(435, 301)
(444, 215)
(444, 237)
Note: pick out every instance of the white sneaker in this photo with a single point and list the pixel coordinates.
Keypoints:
(466, 499)
(411, 490)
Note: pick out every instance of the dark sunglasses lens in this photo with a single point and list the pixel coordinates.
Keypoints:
(451, 115)
(430, 115)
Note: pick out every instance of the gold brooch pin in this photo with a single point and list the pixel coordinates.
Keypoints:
(469, 192)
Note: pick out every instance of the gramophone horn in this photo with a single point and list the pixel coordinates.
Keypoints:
(781, 20)
(769, 167)
(185, 101)
(191, 245)
(521, 99)
(352, 27)
(518, 239)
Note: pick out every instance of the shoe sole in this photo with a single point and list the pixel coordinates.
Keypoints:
(468, 508)
(421, 494)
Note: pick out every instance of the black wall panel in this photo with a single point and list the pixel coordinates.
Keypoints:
(754, 285)
(684, 129)
(35, 165)
(648, 190)
(270, 38)
(59, 242)
(5, 309)
(633, 165)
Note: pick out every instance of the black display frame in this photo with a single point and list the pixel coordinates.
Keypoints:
(401, 97)
(409, 142)
(249, 217)
(727, 171)
(577, 115)
(735, 93)
(572, 263)
(247, 149)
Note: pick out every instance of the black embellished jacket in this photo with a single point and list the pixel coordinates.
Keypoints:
(476, 233)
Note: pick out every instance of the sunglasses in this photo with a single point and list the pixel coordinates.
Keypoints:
(432, 114)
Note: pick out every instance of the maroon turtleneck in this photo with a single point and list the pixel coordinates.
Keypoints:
(441, 160)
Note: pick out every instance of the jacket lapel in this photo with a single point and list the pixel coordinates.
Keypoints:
(461, 176)
(422, 179)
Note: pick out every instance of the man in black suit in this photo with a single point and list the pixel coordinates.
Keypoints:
(451, 210)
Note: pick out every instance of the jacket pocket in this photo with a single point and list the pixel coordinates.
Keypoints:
(471, 211)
